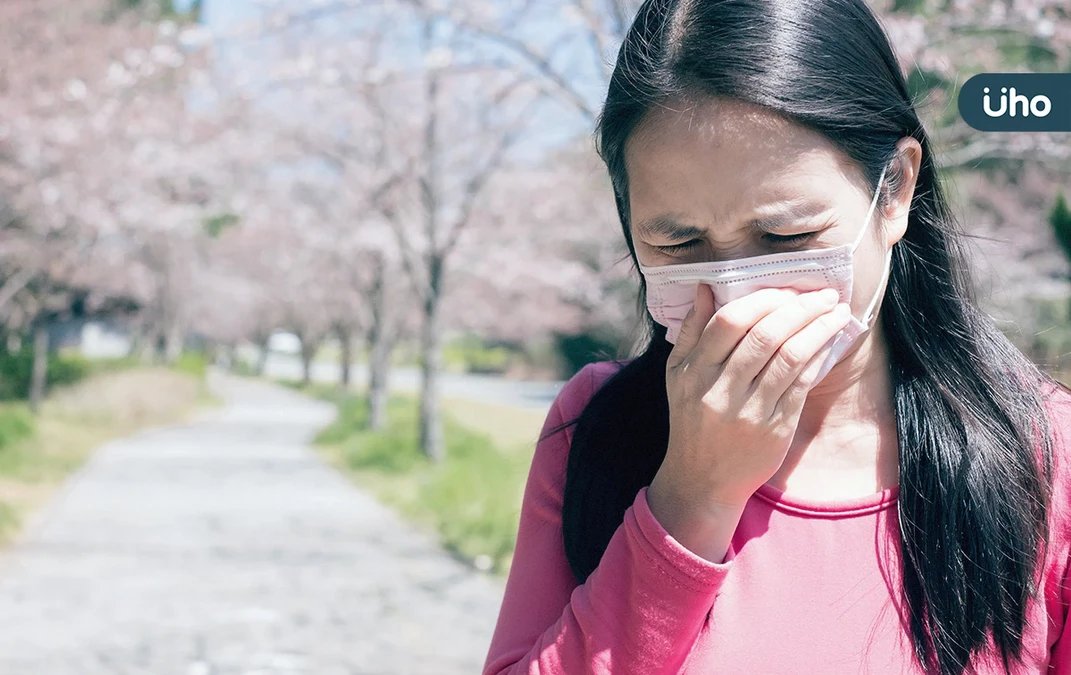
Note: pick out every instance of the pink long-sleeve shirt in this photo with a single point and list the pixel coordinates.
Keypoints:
(807, 586)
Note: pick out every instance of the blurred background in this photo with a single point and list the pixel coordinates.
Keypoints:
(287, 288)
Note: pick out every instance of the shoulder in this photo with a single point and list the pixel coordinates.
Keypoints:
(578, 389)
(1057, 403)
(546, 480)
(1056, 400)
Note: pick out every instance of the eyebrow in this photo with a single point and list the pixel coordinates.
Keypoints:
(787, 212)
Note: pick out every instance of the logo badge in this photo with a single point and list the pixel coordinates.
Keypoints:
(1017, 102)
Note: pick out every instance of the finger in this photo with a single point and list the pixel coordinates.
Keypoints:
(765, 338)
(732, 321)
(788, 408)
(693, 324)
(790, 387)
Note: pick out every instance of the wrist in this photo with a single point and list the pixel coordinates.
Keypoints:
(705, 530)
(699, 503)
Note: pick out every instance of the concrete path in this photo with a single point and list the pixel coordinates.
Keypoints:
(226, 547)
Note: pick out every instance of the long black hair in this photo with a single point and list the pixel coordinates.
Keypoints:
(975, 486)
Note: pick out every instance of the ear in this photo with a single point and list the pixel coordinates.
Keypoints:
(905, 173)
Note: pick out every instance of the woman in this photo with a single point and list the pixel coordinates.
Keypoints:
(775, 485)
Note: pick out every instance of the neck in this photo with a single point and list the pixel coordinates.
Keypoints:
(848, 422)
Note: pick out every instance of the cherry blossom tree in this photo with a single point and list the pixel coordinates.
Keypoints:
(95, 71)
(421, 169)
(377, 171)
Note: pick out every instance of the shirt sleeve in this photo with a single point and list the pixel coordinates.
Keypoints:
(1060, 415)
(1060, 655)
(640, 611)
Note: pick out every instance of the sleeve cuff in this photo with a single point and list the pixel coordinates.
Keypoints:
(673, 556)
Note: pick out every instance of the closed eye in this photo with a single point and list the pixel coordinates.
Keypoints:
(783, 239)
(768, 236)
(681, 247)
(797, 238)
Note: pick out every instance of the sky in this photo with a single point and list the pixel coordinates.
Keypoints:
(220, 14)
(554, 125)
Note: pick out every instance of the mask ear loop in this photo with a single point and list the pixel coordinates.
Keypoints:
(881, 285)
(888, 256)
(870, 212)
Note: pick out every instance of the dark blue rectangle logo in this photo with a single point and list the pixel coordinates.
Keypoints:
(1017, 102)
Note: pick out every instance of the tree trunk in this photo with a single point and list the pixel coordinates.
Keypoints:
(159, 355)
(345, 341)
(380, 340)
(308, 351)
(379, 368)
(146, 345)
(262, 357)
(431, 432)
(173, 342)
(40, 365)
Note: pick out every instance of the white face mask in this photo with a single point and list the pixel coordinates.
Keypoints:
(671, 288)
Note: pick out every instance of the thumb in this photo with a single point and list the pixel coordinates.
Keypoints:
(697, 318)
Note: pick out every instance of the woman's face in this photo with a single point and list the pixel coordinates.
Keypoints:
(725, 179)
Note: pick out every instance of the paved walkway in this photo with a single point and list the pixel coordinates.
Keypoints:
(226, 547)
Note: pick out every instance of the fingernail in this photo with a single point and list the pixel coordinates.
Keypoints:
(842, 310)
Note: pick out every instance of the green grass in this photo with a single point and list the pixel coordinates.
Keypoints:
(471, 501)
(9, 521)
(16, 423)
(469, 353)
(113, 363)
(511, 428)
(192, 363)
(243, 368)
(16, 372)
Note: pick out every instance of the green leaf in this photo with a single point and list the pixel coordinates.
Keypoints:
(215, 225)
(1060, 219)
